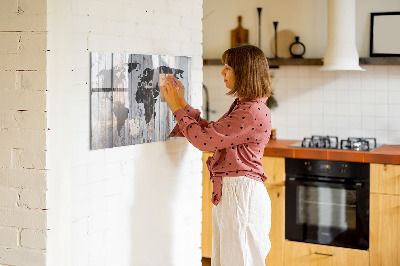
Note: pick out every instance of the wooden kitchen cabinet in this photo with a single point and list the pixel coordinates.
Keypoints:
(206, 225)
(385, 215)
(277, 233)
(384, 236)
(385, 178)
(274, 168)
(305, 254)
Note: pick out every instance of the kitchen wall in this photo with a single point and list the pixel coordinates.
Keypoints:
(133, 205)
(342, 103)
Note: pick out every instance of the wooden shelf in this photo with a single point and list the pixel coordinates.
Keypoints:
(380, 61)
(273, 63)
(294, 62)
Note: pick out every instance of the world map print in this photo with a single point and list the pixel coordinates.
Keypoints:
(126, 104)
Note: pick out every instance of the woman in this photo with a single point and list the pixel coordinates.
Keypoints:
(242, 208)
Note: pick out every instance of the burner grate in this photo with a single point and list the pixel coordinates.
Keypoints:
(358, 144)
(332, 142)
(327, 142)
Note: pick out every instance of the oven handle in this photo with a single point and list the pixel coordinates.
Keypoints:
(357, 185)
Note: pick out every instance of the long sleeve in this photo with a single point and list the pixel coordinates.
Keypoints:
(229, 131)
(193, 113)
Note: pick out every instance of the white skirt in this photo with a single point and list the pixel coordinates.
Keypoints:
(241, 223)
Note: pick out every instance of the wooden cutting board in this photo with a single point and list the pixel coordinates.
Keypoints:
(239, 35)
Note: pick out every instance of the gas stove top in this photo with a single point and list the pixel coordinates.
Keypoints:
(332, 142)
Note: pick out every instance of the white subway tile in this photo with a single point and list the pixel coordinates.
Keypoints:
(292, 83)
(367, 133)
(394, 97)
(355, 132)
(394, 83)
(328, 74)
(342, 109)
(380, 84)
(381, 97)
(382, 123)
(329, 109)
(329, 94)
(367, 110)
(291, 71)
(329, 123)
(394, 110)
(394, 123)
(355, 122)
(367, 96)
(342, 96)
(342, 80)
(381, 110)
(394, 137)
(304, 72)
(382, 136)
(380, 71)
(355, 96)
(303, 82)
(342, 122)
(368, 122)
(354, 80)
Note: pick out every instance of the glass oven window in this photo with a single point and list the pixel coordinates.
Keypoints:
(326, 207)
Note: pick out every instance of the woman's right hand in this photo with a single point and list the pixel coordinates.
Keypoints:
(181, 91)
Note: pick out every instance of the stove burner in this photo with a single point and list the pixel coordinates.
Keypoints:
(332, 142)
(328, 142)
(358, 144)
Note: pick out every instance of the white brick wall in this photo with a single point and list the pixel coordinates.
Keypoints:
(22, 132)
(133, 205)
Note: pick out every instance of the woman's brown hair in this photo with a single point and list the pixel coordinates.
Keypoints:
(250, 66)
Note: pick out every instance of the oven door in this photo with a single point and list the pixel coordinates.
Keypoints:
(327, 213)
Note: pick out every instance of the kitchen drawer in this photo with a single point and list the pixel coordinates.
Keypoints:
(305, 254)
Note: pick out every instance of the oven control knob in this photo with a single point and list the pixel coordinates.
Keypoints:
(308, 166)
(343, 168)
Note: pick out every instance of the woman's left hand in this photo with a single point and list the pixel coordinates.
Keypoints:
(170, 90)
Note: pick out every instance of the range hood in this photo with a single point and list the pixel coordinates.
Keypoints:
(341, 51)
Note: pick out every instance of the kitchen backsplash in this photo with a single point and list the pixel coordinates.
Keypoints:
(314, 102)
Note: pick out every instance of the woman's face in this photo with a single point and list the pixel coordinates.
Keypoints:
(229, 76)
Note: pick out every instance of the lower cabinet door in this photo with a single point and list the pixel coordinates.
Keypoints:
(206, 225)
(298, 254)
(277, 233)
(384, 226)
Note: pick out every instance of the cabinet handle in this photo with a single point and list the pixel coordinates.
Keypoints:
(324, 254)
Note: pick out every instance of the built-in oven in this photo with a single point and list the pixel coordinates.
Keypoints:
(327, 202)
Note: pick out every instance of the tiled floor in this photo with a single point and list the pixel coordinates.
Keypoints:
(206, 261)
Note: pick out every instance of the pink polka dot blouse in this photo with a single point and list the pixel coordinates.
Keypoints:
(238, 139)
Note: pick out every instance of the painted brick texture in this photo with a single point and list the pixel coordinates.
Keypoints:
(23, 132)
(117, 206)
